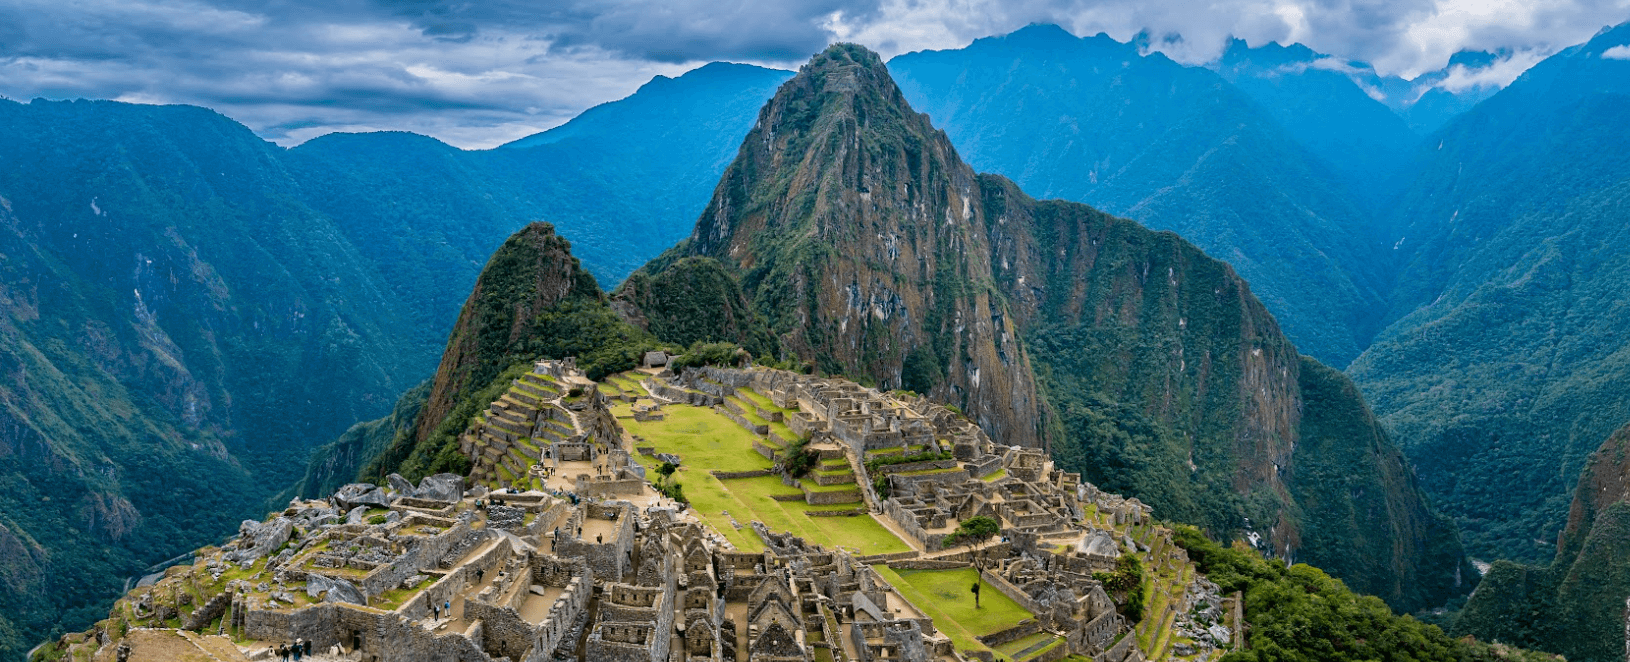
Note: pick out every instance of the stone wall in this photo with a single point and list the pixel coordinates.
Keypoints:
(206, 613)
(926, 465)
(444, 589)
(386, 636)
(1120, 652)
(757, 473)
(1008, 589)
(426, 554)
(1024, 629)
(830, 498)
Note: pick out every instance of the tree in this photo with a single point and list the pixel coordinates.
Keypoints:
(973, 531)
(666, 470)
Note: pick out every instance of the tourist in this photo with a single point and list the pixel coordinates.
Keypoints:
(447, 608)
(435, 613)
(283, 652)
(308, 647)
(296, 650)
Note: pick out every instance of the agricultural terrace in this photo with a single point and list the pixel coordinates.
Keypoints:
(944, 596)
(706, 441)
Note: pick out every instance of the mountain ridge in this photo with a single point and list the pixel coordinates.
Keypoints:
(839, 158)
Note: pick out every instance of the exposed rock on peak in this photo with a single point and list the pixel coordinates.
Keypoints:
(856, 231)
(869, 247)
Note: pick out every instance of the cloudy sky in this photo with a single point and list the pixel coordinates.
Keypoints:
(477, 73)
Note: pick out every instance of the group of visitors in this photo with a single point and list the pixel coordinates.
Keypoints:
(297, 650)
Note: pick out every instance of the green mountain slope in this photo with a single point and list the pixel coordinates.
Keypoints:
(1322, 105)
(870, 248)
(1503, 368)
(185, 309)
(533, 300)
(1577, 605)
(1197, 156)
(175, 328)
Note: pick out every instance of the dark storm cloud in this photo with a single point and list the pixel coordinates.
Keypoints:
(479, 73)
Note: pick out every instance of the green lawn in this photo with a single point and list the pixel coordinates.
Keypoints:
(701, 438)
(758, 399)
(944, 596)
(707, 441)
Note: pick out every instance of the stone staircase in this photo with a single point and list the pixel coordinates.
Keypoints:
(507, 439)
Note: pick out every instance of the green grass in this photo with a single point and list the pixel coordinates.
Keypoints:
(701, 438)
(998, 475)
(1012, 648)
(759, 399)
(706, 441)
(944, 596)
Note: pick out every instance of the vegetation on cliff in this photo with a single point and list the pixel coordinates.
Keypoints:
(691, 300)
(870, 248)
(1506, 364)
(1300, 613)
(533, 300)
(1576, 605)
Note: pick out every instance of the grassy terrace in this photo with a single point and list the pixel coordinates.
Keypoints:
(944, 596)
(707, 441)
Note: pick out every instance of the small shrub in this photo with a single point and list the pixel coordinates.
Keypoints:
(376, 519)
(798, 459)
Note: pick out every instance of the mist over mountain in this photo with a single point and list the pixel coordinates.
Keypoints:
(186, 310)
(1175, 148)
(1505, 365)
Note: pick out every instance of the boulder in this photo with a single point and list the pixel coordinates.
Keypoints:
(333, 590)
(440, 487)
(361, 494)
(399, 484)
(257, 539)
(358, 515)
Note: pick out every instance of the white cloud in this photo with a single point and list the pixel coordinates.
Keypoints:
(478, 74)
(1617, 53)
(1496, 75)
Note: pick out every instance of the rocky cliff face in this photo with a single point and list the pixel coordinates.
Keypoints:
(859, 236)
(1576, 606)
(532, 272)
(533, 300)
(1172, 382)
(869, 247)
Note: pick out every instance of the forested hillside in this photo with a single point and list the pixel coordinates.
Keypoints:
(872, 250)
(1198, 157)
(1506, 365)
(186, 309)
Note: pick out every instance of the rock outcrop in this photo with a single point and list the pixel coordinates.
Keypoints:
(872, 250)
(860, 237)
(1577, 605)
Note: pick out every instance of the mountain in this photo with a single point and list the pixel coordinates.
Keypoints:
(868, 247)
(420, 197)
(1575, 606)
(1503, 370)
(185, 308)
(1328, 106)
(533, 300)
(175, 326)
(1175, 148)
(1431, 102)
